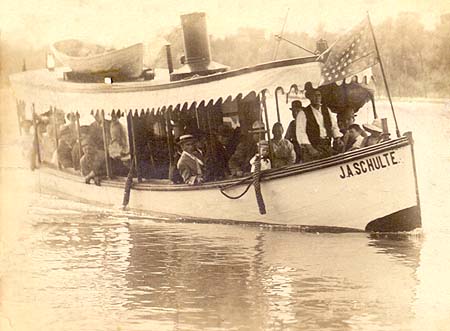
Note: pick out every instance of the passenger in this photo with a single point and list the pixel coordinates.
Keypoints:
(344, 120)
(222, 152)
(315, 129)
(239, 162)
(296, 107)
(28, 144)
(71, 128)
(118, 149)
(84, 135)
(96, 132)
(225, 142)
(283, 152)
(376, 133)
(355, 139)
(191, 168)
(92, 163)
(65, 147)
(263, 150)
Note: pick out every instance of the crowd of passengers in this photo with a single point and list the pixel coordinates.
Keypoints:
(314, 133)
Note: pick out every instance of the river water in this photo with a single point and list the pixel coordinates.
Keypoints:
(71, 266)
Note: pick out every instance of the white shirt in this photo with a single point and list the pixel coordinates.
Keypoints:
(300, 128)
(265, 163)
(358, 143)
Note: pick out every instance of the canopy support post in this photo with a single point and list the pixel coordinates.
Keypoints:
(372, 99)
(279, 88)
(170, 146)
(18, 112)
(129, 181)
(36, 135)
(266, 116)
(80, 148)
(397, 130)
(105, 146)
(135, 154)
(55, 129)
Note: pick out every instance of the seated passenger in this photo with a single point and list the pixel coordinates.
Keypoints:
(84, 135)
(316, 127)
(225, 142)
(296, 107)
(355, 138)
(92, 163)
(239, 162)
(263, 150)
(28, 144)
(70, 128)
(118, 149)
(190, 167)
(65, 147)
(220, 153)
(376, 133)
(96, 132)
(283, 152)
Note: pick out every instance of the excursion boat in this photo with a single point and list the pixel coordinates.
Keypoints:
(88, 58)
(369, 189)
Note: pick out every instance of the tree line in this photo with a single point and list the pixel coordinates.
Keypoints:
(417, 60)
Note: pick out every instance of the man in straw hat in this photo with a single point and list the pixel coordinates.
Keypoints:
(376, 133)
(239, 162)
(316, 127)
(191, 168)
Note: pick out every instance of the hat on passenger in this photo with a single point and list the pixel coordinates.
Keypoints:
(296, 104)
(185, 138)
(263, 143)
(257, 127)
(376, 126)
(86, 142)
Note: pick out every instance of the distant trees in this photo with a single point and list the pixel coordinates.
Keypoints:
(417, 60)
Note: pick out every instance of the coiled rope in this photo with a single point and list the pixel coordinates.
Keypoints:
(255, 179)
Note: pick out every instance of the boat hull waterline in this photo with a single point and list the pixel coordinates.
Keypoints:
(371, 189)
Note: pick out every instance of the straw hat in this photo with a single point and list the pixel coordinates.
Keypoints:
(263, 143)
(185, 138)
(257, 127)
(376, 126)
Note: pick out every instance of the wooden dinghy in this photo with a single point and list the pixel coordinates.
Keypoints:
(90, 58)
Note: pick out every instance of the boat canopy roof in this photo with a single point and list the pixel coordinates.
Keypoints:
(48, 89)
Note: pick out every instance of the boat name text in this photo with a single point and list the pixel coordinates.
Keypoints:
(368, 165)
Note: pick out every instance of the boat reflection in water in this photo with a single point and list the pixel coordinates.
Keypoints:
(118, 272)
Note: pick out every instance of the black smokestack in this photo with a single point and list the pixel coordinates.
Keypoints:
(196, 48)
(169, 58)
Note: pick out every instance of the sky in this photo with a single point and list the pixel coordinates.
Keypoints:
(124, 22)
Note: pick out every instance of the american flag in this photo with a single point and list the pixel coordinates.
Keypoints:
(353, 52)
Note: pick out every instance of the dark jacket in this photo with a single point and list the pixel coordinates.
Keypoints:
(240, 160)
(312, 127)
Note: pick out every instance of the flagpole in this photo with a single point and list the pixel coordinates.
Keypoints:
(397, 130)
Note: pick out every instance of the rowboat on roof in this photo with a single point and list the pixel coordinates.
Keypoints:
(89, 58)
(372, 188)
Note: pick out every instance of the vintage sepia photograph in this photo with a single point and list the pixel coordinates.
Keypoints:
(213, 165)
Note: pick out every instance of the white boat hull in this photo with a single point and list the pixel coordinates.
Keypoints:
(342, 192)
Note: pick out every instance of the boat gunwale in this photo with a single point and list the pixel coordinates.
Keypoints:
(267, 175)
